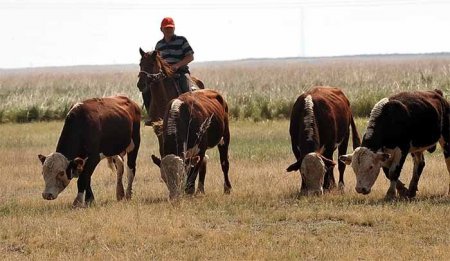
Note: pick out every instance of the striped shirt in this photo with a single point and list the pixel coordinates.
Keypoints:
(174, 50)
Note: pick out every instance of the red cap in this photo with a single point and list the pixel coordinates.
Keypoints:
(167, 22)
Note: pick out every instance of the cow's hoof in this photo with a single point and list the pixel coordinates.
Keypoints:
(412, 193)
(341, 186)
(200, 191)
(120, 194)
(128, 195)
(227, 190)
(78, 204)
(390, 196)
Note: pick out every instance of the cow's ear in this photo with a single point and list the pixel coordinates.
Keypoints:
(141, 52)
(382, 156)
(293, 167)
(76, 167)
(156, 160)
(42, 158)
(79, 163)
(329, 164)
(347, 159)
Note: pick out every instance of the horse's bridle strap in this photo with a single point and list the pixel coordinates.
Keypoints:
(153, 77)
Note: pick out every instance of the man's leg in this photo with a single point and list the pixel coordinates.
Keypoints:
(184, 86)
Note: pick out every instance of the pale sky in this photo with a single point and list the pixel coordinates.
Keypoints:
(35, 33)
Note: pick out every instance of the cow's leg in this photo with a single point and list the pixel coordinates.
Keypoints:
(329, 182)
(419, 164)
(131, 172)
(84, 181)
(342, 150)
(118, 162)
(444, 142)
(192, 176)
(394, 174)
(401, 189)
(224, 163)
(201, 176)
(131, 159)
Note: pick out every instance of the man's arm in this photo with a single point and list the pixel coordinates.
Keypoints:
(186, 60)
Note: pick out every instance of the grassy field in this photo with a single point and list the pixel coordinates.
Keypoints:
(263, 219)
(254, 89)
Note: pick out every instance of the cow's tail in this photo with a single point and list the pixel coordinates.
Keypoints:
(294, 128)
(355, 136)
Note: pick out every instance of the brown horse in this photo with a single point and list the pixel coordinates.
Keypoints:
(158, 84)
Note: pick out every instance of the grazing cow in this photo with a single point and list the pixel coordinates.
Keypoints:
(193, 123)
(93, 129)
(407, 122)
(320, 122)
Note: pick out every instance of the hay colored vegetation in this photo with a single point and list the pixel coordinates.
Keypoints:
(254, 89)
(262, 219)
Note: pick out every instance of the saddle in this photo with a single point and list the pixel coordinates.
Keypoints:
(191, 84)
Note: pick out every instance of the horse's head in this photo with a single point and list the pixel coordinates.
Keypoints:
(152, 69)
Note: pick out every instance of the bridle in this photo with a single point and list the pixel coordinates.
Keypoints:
(152, 78)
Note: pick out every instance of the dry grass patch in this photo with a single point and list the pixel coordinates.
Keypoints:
(262, 218)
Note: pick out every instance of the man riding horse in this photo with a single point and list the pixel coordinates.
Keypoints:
(176, 51)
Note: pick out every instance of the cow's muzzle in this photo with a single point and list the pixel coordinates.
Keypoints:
(362, 190)
(48, 196)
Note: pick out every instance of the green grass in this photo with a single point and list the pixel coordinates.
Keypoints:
(256, 90)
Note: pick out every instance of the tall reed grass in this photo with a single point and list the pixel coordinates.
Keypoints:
(254, 89)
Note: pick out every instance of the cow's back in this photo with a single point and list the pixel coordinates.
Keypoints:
(102, 125)
(193, 108)
(333, 113)
(422, 116)
(332, 116)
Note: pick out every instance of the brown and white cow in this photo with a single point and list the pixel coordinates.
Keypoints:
(93, 129)
(407, 122)
(193, 122)
(320, 122)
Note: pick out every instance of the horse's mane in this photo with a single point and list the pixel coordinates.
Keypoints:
(165, 67)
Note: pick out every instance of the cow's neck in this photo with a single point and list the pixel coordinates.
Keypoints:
(374, 142)
(69, 142)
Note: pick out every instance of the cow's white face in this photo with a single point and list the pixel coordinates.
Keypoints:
(313, 172)
(56, 170)
(173, 172)
(366, 164)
